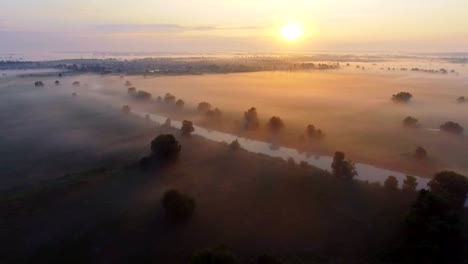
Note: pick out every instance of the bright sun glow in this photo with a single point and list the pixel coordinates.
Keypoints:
(291, 31)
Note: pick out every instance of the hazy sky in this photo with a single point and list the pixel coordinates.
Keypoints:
(233, 25)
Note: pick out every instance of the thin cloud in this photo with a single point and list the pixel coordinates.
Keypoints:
(118, 28)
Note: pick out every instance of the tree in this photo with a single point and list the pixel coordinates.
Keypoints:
(76, 83)
(143, 95)
(451, 186)
(420, 153)
(57, 82)
(128, 83)
(291, 162)
(165, 147)
(218, 255)
(214, 113)
(203, 107)
(178, 206)
(180, 103)
(452, 127)
(462, 100)
(38, 84)
(402, 97)
(410, 122)
(391, 183)
(131, 90)
(410, 184)
(169, 99)
(275, 124)
(187, 128)
(167, 123)
(126, 109)
(235, 145)
(251, 119)
(267, 259)
(342, 168)
(314, 133)
(146, 162)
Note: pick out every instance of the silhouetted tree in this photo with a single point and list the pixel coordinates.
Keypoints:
(178, 206)
(410, 122)
(167, 123)
(126, 109)
(165, 147)
(304, 165)
(409, 184)
(146, 162)
(38, 84)
(314, 133)
(180, 103)
(143, 95)
(251, 119)
(169, 99)
(452, 127)
(60, 75)
(57, 82)
(391, 183)
(203, 107)
(214, 113)
(451, 186)
(76, 83)
(235, 145)
(462, 99)
(342, 168)
(420, 153)
(218, 255)
(187, 128)
(275, 124)
(291, 162)
(402, 97)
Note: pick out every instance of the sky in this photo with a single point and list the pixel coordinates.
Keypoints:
(232, 25)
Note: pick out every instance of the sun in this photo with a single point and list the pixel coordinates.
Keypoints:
(291, 31)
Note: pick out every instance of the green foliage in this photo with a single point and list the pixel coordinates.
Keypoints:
(179, 207)
(218, 255)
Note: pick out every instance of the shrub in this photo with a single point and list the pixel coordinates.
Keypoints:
(143, 95)
(187, 128)
(165, 147)
(342, 168)
(57, 82)
(178, 206)
(218, 255)
(131, 90)
(410, 122)
(452, 127)
(391, 183)
(38, 84)
(76, 83)
(402, 97)
(169, 99)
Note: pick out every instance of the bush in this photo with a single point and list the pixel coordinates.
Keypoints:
(462, 100)
(187, 128)
(131, 90)
(38, 84)
(165, 147)
(143, 95)
(178, 206)
(410, 122)
(410, 184)
(402, 97)
(342, 168)
(76, 83)
(452, 127)
(218, 255)
(275, 124)
(391, 183)
(57, 82)
(251, 119)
